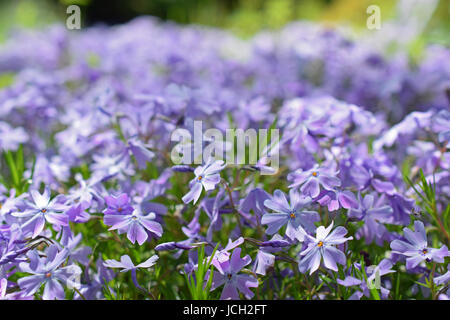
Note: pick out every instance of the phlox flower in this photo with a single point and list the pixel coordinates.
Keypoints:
(416, 248)
(323, 246)
(139, 227)
(233, 281)
(311, 180)
(292, 214)
(206, 177)
(42, 209)
(126, 265)
(46, 271)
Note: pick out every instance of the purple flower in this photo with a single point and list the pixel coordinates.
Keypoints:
(323, 246)
(291, 214)
(126, 264)
(310, 181)
(42, 209)
(140, 152)
(336, 199)
(46, 271)
(373, 216)
(416, 247)
(234, 282)
(119, 205)
(138, 227)
(11, 138)
(206, 177)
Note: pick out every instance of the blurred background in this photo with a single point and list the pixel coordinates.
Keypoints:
(244, 17)
(418, 22)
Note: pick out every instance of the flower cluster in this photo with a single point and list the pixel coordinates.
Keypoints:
(86, 175)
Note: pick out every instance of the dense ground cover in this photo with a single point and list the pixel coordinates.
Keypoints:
(357, 210)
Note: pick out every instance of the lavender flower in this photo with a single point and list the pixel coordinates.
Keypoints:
(138, 227)
(416, 248)
(42, 209)
(233, 281)
(206, 177)
(291, 214)
(126, 265)
(323, 246)
(47, 271)
(310, 181)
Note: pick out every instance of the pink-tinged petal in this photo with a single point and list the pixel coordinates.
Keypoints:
(263, 261)
(311, 188)
(333, 205)
(229, 292)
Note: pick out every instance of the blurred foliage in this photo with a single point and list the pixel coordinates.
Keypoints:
(244, 17)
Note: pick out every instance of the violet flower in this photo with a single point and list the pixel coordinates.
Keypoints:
(416, 248)
(138, 227)
(119, 205)
(206, 177)
(46, 271)
(292, 214)
(233, 281)
(42, 209)
(310, 181)
(126, 265)
(323, 246)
